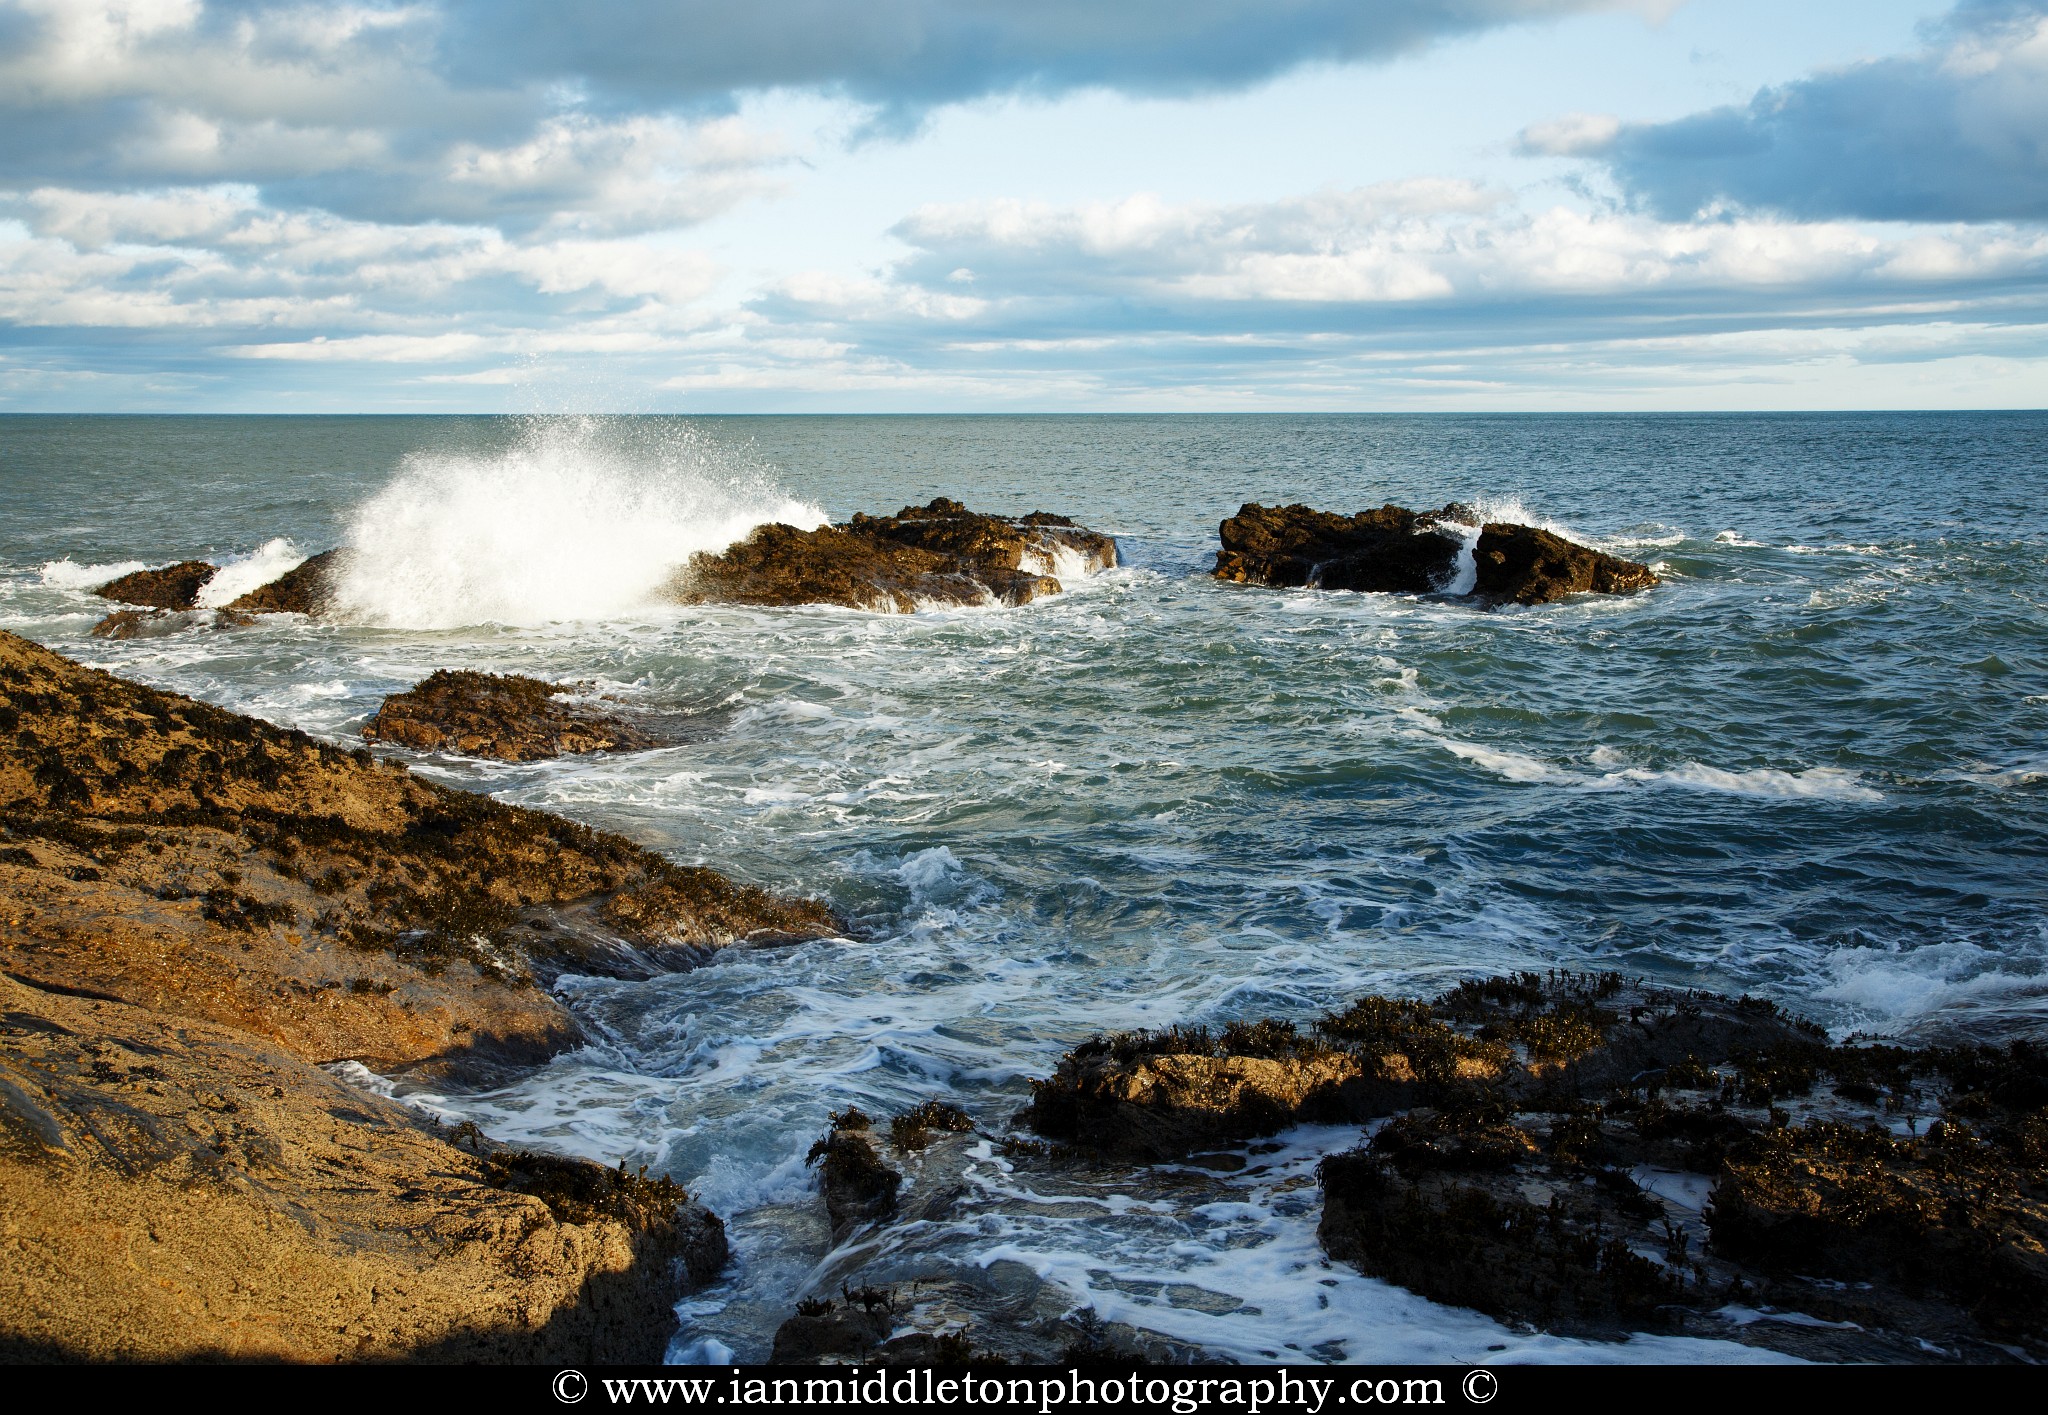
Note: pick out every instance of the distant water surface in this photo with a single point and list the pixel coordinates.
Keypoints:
(1812, 765)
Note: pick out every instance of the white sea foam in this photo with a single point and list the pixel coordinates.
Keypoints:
(1897, 988)
(70, 575)
(242, 573)
(1824, 782)
(583, 518)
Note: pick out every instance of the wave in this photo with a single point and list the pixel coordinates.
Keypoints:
(68, 574)
(242, 573)
(1819, 782)
(583, 518)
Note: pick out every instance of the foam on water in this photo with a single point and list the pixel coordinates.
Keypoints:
(70, 575)
(583, 518)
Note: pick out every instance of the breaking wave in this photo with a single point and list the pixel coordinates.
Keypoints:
(582, 518)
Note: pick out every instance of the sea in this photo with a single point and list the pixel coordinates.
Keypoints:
(1811, 765)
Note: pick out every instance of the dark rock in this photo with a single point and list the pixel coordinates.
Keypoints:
(913, 1130)
(941, 553)
(1949, 1212)
(1527, 565)
(1526, 1115)
(1397, 551)
(129, 623)
(170, 587)
(308, 589)
(857, 1186)
(501, 716)
(1391, 550)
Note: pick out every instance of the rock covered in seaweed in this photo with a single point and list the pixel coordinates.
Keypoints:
(1393, 550)
(940, 553)
(160, 850)
(1598, 1157)
(502, 716)
(309, 588)
(166, 587)
(857, 1186)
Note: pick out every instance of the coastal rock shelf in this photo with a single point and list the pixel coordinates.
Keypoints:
(197, 911)
(1595, 1157)
(169, 597)
(1397, 551)
(937, 554)
(501, 716)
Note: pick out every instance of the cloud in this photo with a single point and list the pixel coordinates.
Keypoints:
(604, 116)
(1957, 131)
(905, 56)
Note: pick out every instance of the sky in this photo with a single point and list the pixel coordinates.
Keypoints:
(1022, 205)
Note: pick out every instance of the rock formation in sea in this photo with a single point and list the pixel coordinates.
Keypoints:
(502, 716)
(166, 587)
(940, 553)
(1397, 551)
(306, 589)
(1594, 1157)
(199, 911)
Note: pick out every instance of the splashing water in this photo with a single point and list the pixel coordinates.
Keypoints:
(583, 518)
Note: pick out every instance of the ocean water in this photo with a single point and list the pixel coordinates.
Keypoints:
(1812, 765)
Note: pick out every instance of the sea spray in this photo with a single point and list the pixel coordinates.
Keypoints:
(582, 518)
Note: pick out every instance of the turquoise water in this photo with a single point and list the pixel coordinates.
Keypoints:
(1809, 765)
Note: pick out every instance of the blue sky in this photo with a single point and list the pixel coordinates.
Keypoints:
(995, 205)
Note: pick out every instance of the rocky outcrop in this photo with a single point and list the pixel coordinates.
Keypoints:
(892, 1294)
(1528, 565)
(1390, 551)
(173, 1190)
(857, 1186)
(1397, 551)
(502, 716)
(937, 554)
(307, 589)
(157, 850)
(168, 587)
(1598, 1157)
(197, 912)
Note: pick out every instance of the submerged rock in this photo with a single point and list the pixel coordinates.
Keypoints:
(1397, 551)
(167, 587)
(502, 716)
(940, 553)
(307, 589)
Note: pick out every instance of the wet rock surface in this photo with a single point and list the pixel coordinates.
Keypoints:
(307, 589)
(504, 717)
(197, 911)
(1594, 1157)
(937, 554)
(1393, 550)
(1528, 565)
(886, 1296)
(167, 587)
